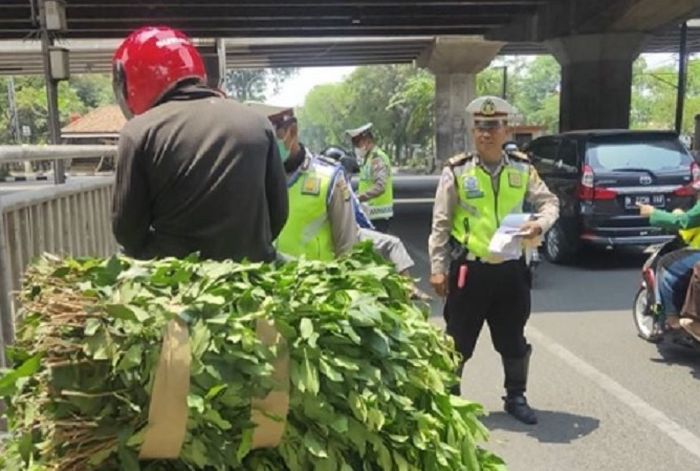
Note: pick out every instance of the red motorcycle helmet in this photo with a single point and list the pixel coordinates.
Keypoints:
(150, 63)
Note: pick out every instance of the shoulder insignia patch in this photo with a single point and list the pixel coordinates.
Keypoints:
(311, 185)
(517, 155)
(460, 159)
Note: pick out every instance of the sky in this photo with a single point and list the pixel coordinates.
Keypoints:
(294, 91)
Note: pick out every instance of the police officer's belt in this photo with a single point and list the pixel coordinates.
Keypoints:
(473, 258)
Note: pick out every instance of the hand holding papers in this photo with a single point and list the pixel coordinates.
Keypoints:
(507, 242)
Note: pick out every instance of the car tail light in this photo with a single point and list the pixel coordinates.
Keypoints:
(686, 190)
(587, 190)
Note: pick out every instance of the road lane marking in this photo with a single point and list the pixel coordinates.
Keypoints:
(639, 406)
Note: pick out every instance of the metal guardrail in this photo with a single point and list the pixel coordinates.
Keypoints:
(69, 219)
(75, 218)
(30, 153)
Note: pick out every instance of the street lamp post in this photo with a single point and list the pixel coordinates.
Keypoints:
(52, 19)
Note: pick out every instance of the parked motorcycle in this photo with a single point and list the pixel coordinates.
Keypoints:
(645, 310)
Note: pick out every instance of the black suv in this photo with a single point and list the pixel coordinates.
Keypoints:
(600, 176)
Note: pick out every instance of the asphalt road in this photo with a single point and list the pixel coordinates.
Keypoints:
(606, 399)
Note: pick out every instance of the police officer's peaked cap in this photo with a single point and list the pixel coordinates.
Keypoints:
(357, 132)
(490, 109)
(278, 115)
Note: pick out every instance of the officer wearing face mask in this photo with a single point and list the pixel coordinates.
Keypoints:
(376, 187)
(321, 224)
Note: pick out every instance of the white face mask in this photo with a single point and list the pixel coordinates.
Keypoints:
(361, 153)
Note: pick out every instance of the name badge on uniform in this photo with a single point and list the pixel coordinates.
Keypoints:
(471, 187)
(311, 186)
(515, 179)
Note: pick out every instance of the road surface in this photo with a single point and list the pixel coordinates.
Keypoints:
(606, 399)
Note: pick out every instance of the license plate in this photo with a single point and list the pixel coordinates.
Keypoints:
(655, 200)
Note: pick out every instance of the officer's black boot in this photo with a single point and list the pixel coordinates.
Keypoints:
(516, 371)
(456, 390)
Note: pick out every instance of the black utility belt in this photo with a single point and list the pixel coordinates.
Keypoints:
(471, 258)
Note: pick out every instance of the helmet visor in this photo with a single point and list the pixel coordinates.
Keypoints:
(119, 88)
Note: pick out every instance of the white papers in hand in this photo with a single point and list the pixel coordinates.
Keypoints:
(506, 242)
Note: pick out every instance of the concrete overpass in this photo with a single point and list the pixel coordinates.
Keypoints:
(595, 41)
(23, 57)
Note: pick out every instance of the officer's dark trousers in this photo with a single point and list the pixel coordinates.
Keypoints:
(500, 295)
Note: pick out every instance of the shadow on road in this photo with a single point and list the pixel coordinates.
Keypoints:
(553, 427)
(680, 356)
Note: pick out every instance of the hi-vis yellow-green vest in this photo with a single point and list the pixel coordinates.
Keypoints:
(691, 237)
(381, 207)
(482, 206)
(308, 230)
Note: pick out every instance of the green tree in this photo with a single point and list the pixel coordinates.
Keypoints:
(325, 116)
(397, 99)
(93, 90)
(252, 84)
(31, 103)
(532, 87)
(654, 95)
(415, 102)
(538, 92)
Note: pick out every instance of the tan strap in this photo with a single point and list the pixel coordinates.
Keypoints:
(167, 410)
(269, 414)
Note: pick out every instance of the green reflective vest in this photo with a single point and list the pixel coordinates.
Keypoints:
(381, 207)
(308, 230)
(481, 206)
(691, 237)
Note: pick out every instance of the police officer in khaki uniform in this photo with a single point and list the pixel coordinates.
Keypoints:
(475, 193)
(376, 188)
(321, 223)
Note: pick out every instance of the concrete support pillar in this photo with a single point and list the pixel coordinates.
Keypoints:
(596, 84)
(453, 92)
(455, 61)
(215, 62)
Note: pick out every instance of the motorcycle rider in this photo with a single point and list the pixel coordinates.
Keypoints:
(674, 269)
(690, 313)
(195, 172)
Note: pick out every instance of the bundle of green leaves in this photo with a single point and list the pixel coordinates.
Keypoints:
(369, 375)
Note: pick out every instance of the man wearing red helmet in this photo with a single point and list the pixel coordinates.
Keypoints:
(196, 172)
